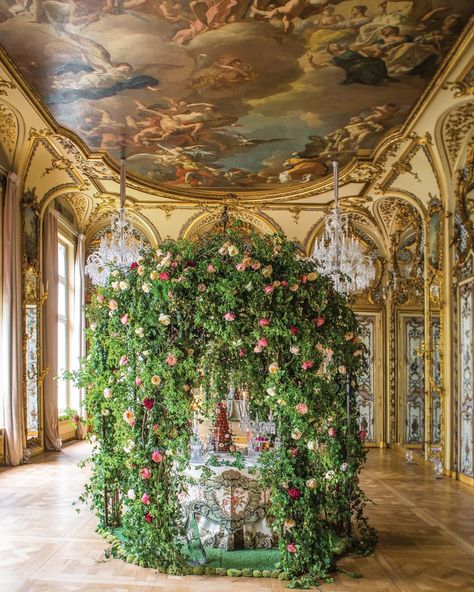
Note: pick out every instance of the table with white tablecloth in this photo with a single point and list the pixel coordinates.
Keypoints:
(229, 508)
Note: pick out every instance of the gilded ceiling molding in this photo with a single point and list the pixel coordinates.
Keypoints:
(82, 205)
(456, 126)
(6, 84)
(463, 87)
(8, 128)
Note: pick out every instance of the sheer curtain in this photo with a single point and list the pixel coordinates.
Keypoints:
(50, 331)
(11, 346)
(79, 344)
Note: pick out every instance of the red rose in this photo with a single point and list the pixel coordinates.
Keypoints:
(294, 330)
(134, 265)
(319, 321)
(164, 275)
(294, 493)
(362, 434)
(149, 518)
(148, 403)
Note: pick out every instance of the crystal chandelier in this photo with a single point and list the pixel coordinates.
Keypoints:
(339, 255)
(120, 248)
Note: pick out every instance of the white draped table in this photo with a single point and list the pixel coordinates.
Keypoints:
(229, 508)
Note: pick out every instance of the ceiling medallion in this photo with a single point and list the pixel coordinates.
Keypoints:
(119, 248)
(340, 256)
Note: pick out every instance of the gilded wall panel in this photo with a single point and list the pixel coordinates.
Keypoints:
(466, 380)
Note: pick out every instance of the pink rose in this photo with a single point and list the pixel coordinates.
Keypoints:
(134, 265)
(148, 403)
(145, 473)
(262, 342)
(304, 279)
(302, 408)
(174, 264)
(229, 316)
(263, 322)
(362, 434)
(240, 267)
(124, 319)
(291, 548)
(171, 360)
(319, 321)
(258, 349)
(268, 289)
(149, 518)
(306, 365)
(241, 353)
(164, 275)
(294, 451)
(294, 330)
(211, 268)
(156, 456)
(113, 305)
(145, 499)
(100, 299)
(332, 432)
(138, 381)
(123, 361)
(256, 265)
(329, 352)
(155, 427)
(294, 493)
(284, 283)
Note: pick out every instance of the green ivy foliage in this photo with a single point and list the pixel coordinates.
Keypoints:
(188, 319)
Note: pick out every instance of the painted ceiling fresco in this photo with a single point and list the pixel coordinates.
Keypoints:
(230, 93)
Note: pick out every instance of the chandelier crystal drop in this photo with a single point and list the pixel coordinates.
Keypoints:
(339, 255)
(119, 248)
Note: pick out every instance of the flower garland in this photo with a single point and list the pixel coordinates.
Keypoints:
(186, 319)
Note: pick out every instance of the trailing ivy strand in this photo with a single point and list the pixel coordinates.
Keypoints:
(167, 337)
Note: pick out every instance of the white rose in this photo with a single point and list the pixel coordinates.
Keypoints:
(106, 412)
(131, 494)
(124, 285)
(146, 288)
(295, 350)
(312, 445)
(271, 391)
(108, 393)
(115, 273)
(344, 467)
(140, 332)
(93, 327)
(329, 475)
(164, 319)
(115, 285)
(296, 434)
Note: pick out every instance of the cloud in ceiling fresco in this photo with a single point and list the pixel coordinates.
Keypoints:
(230, 93)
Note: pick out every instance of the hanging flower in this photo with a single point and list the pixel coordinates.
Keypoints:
(139, 331)
(164, 276)
(156, 456)
(131, 494)
(113, 305)
(108, 393)
(289, 524)
(301, 408)
(129, 417)
(145, 499)
(296, 434)
(149, 518)
(311, 483)
(291, 548)
(155, 380)
(307, 364)
(138, 381)
(124, 320)
(263, 322)
(146, 288)
(123, 361)
(268, 289)
(319, 321)
(171, 360)
(262, 342)
(164, 319)
(229, 316)
(145, 473)
(332, 432)
(294, 330)
(294, 493)
(312, 276)
(124, 285)
(148, 403)
(233, 250)
(273, 368)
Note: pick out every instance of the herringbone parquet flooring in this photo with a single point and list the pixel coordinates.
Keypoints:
(426, 530)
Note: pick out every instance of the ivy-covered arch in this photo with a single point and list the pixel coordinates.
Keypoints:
(189, 318)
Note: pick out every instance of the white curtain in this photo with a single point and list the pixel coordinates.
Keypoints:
(11, 345)
(79, 339)
(50, 331)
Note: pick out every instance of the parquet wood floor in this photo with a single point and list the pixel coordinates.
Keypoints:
(426, 530)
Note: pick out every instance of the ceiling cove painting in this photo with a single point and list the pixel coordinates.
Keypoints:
(230, 93)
